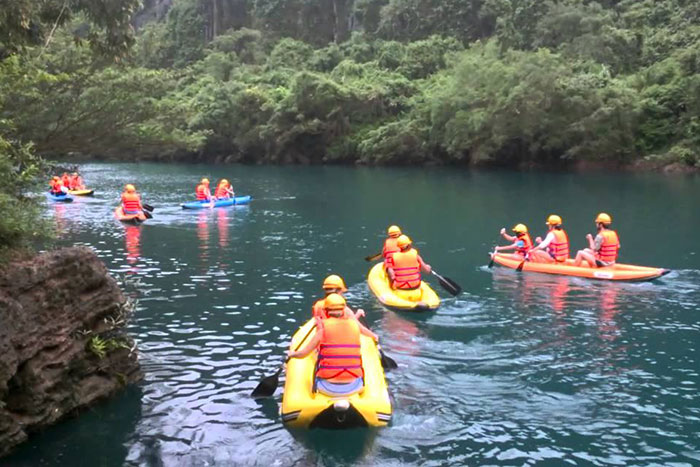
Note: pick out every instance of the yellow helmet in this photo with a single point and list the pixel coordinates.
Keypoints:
(393, 231)
(334, 281)
(554, 220)
(205, 181)
(520, 228)
(403, 241)
(224, 181)
(603, 219)
(130, 188)
(334, 302)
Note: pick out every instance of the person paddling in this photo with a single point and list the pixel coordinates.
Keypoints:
(603, 250)
(57, 188)
(202, 191)
(555, 246)
(131, 202)
(404, 267)
(522, 243)
(65, 179)
(390, 246)
(76, 182)
(339, 364)
(224, 190)
(334, 284)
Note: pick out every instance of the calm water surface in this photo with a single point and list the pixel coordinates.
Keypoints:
(520, 369)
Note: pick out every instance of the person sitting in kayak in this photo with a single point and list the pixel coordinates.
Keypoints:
(202, 191)
(555, 246)
(224, 190)
(334, 284)
(76, 182)
(339, 364)
(522, 243)
(604, 249)
(404, 267)
(57, 188)
(390, 246)
(65, 179)
(131, 202)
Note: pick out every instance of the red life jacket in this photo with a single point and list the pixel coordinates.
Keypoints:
(339, 355)
(522, 250)
(390, 247)
(610, 246)
(406, 269)
(131, 202)
(221, 191)
(202, 192)
(56, 186)
(559, 247)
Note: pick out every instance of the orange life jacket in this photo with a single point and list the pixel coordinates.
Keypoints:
(202, 192)
(406, 269)
(390, 247)
(76, 183)
(339, 355)
(522, 250)
(131, 202)
(221, 191)
(609, 247)
(318, 310)
(559, 247)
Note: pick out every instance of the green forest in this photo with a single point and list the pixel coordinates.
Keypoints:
(514, 83)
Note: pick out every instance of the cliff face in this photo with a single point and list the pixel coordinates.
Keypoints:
(62, 347)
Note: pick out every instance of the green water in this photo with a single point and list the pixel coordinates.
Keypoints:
(519, 369)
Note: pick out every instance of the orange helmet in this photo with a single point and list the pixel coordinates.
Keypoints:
(334, 281)
(223, 182)
(603, 219)
(393, 231)
(130, 188)
(334, 302)
(403, 241)
(553, 219)
(205, 181)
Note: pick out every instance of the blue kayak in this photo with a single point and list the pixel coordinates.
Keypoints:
(219, 203)
(60, 198)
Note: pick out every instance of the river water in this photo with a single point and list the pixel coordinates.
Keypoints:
(519, 369)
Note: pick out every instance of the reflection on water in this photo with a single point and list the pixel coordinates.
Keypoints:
(519, 369)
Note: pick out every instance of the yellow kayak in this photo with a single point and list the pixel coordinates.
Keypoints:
(422, 299)
(302, 408)
(81, 192)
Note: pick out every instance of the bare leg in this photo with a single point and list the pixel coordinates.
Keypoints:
(540, 256)
(588, 256)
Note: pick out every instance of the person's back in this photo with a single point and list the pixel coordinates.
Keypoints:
(609, 247)
(391, 243)
(406, 268)
(340, 356)
(202, 191)
(223, 190)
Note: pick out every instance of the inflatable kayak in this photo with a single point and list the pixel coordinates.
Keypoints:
(617, 272)
(422, 299)
(219, 203)
(134, 219)
(82, 192)
(60, 198)
(368, 406)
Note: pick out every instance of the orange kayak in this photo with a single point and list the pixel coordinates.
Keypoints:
(617, 272)
(129, 218)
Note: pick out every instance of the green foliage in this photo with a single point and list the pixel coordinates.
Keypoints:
(100, 347)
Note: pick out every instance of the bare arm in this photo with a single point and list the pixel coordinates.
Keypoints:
(308, 348)
(369, 333)
(423, 265)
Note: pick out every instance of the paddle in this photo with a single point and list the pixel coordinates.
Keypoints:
(147, 207)
(148, 215)
(268, 385)
(520, 266)
(373, 257)
(492, 260)
(388, 363)
(448, 284)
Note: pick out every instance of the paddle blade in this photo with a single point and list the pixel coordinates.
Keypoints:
(520, 266)
(491, 262)
(147, 207)
(148, 215)
(267, 385)
(373, 257)
(448, 284)
(388, 363)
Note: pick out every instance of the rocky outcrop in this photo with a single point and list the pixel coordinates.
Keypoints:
(62, 345)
